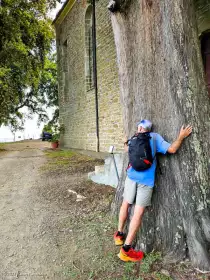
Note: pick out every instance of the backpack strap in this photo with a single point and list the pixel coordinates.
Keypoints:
(155, 156)
(154, 146)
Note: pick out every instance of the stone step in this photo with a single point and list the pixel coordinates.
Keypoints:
(99, 169)
(106, 174)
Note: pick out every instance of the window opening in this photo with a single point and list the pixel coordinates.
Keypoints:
(205, 49)
(88, 49)
(65, 70)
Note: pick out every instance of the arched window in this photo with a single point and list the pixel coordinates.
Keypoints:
(88, 49)
(205, 49)
(65, 71)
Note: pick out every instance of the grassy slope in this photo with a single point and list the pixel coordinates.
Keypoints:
(94, 255)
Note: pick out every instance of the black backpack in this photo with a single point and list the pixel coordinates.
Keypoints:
(140, 152)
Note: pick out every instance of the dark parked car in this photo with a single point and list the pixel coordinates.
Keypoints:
(46, 136)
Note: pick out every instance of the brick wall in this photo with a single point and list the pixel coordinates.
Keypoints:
(76, 98)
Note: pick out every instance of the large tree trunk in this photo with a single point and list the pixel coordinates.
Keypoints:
(162, 79)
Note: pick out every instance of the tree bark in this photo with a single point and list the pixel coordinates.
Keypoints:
(161, 78)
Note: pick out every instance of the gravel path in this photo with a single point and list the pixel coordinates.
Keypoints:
(27, 249)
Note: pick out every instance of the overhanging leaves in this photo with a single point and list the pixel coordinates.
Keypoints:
(27, 69)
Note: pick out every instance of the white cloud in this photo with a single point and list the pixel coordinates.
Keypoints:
(31, 129)
(54, 12)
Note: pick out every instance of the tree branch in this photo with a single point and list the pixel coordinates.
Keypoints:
(22, 105)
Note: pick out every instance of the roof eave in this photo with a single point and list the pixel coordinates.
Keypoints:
(64, 11)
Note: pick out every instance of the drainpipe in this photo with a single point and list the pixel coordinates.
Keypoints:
(95, 74)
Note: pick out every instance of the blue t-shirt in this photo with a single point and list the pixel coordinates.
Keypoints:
(147, 177)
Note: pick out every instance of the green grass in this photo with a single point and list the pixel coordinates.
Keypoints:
(160, 276)
(96, 257)
(68, 159)
(2, 147)
(3, 144)
(149, 260)
(59, 162)
(93, 255)
(58, 159)
(62, 154)
(68, 154)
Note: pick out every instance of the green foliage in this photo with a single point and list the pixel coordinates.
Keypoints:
(47, 128)
(55, 137)
(55, 129)
(28, 76)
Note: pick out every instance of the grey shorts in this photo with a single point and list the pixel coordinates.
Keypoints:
(137, 193)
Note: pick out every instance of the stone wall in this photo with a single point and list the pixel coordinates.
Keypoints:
(203, 17)
(77, 101)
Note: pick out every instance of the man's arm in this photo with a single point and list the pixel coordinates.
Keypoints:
(184, 132)
(126, 144)
(126, 147)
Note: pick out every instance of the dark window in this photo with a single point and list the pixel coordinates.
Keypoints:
(205, 49)
(88, 49)
(65, 61)
(65, 70)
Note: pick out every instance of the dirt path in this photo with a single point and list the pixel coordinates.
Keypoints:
(41, 224)
(26, 253)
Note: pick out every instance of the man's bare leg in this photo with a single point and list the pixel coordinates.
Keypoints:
(134, 224)
(123, 215)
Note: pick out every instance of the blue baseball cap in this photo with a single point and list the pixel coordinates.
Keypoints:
(146, 124)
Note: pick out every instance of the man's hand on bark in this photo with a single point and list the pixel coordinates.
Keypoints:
(185, 132)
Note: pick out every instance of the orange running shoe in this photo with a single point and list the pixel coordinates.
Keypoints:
(131, 255)
(119, 239)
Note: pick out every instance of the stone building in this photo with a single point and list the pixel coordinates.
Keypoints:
(73, 26)
(77, 102)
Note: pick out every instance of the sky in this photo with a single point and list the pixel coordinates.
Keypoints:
(31, 130)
